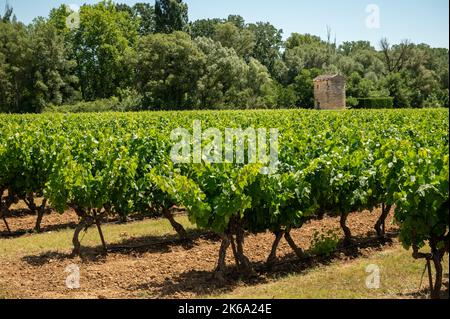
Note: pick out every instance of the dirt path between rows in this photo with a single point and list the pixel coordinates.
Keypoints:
(170, 270)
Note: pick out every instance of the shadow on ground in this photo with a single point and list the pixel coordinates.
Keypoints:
(129, 247)
(203, 283)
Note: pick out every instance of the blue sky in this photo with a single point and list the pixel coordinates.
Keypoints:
(417, 20)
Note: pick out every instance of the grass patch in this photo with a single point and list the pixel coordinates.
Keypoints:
(62, 240)
(400, 278)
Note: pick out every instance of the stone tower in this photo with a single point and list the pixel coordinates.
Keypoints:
(329, 92)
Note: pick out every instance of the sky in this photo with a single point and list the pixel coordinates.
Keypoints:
(421, 21)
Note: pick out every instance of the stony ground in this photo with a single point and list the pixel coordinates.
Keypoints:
(167, 268)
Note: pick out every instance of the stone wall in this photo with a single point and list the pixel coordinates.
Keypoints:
(329, 93)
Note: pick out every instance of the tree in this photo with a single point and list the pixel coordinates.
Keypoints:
(397, 88)
(49, 62)
(348, 65)
(35, 66)
(204, 27)
(229, 82)
(268, 42)
(395, 57)
(144, 14)
(298, 40)
(230, 36)
(8, 15)
(5, 84)
(57, 17)
(286, 97)
(15, 83)
(51, 68)
(103, 47)
(170, 65)
(13, 63)
(237, 20)
(224, 76)
(170, 16)
(352, 47)
(304, 87)
(259, 85)
(304, 51)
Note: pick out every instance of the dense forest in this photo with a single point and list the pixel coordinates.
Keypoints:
(111, 56)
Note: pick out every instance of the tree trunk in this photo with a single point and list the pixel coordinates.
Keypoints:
(380, 226)
(177, 226)
(4, 208)
(297, 250)
(11, 199)
(6, 224)
(221, 263)
(29, 200)
(245, 265)
(347, 232)
(100, 232)
(435, 256)
(84, 223)
(273, 253)
(437, 260)
(234, 249)
(40, 212)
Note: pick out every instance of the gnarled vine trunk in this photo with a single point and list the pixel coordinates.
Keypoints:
(221, 263)
(84, 224)
(97, 219)
(6, 223)
(4, 208)
(234, 249)
(273, 253)
(234, 236)
(177, 226)
(87, 221)
(40, 216)
(436, 289)
(297, 250)
(347, 232)
(380, 226)
(29, 201)
(245, 264)
(436, 257)
(278, 237)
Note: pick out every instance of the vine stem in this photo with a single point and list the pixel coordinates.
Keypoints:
(177, 226)
(6, 224)
(84, 223)
(40, 216)
(4, 208)
(221, 263)
(297, 250)
(273, 253)
(100, 232)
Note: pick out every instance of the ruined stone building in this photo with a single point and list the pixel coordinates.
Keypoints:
(329, 92)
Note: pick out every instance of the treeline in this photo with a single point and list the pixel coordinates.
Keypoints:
(117, 57)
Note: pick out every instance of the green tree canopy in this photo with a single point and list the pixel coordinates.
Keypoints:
(231, 36)
(171, 15)
(103, 46)
(268, 43)
(170, 66)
